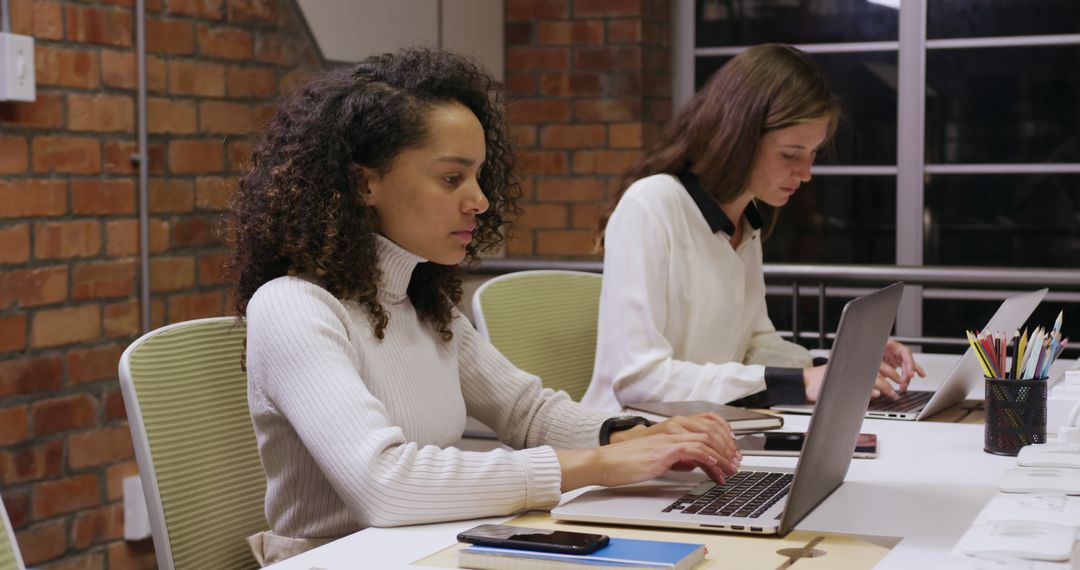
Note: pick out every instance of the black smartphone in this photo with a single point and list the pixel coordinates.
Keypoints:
(533, 539)
(791, 443)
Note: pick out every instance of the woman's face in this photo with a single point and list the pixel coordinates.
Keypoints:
(783, 161)
(429, 199)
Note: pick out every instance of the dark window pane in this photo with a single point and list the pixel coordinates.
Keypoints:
(866, 85)
(951, 317)
(1009, 220)
(982, 18)
(749, 22)
(1003, 105)
(837, 219)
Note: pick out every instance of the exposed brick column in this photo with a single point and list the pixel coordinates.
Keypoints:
(590, 85)
(68, 235)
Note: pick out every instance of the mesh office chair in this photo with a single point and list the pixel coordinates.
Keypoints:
(10, 558)
(186, 399)
(544, 322)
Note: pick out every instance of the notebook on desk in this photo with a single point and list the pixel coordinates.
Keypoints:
(769, 501)
(921, 404)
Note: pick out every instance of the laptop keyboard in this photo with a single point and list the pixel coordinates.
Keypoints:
(908, 401)
(746, 494)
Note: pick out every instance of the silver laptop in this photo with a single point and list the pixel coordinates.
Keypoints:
(769, 501)
(921, 404)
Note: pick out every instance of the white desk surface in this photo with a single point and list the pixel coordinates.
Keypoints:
(926, 486)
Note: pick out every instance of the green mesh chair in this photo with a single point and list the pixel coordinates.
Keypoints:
(10, 559)
(544, 322)
(186, 399)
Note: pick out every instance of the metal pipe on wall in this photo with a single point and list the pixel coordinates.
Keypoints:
(5, 16)
(143, 160)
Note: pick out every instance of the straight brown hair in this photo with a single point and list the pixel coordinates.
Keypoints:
(717, 134)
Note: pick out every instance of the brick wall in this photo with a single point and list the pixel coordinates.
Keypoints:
(68, 236)
(590, 84)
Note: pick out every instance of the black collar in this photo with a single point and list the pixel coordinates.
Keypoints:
(717, 219)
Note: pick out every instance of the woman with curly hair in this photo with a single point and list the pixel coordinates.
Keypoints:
(371, 184)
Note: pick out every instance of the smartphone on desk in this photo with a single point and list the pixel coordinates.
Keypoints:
(788, 443)
(507, 536)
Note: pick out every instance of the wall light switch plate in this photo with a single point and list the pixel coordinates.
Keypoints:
(16, 67)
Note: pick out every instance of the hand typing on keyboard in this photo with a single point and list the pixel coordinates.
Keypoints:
(897, 366)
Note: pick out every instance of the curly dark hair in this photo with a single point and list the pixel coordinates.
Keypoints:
(299, 208)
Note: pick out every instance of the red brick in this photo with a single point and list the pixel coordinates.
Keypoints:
(196, 156)
(625, 135)
(518, 33)
(17, 505)
(63, 240)
(193, 232)
(606, 8)
(624, 31)
(122, 237)
(42, 542)
(100, 26)
(66, 67)
(259, 11)
(204, 9)
(570, 32)
(538, 59)
(38, 197)
(69, 325)
(225, 43)
(14, 425)
(263, 114)
(239, 153)
(63, 414)
(196, 78)
(77, 155)
(543, 162)
(12, 336)
(52, 498)
(14, 155)
(114, 406)
(544, 216)
(170, 36)
(520, 84)
(121, 319)
(523, 136)
(214, 192)
(293, 79)
(528, 111)
(33, 287)
(107, 113)
(607, 59)
(14, 244)
(196, 306)
(115, 475)
(604, 161)
(29, 375)
(536, 9)
(212, 268)
(171, 195)
(221, 117)
(257, 83)
(48, 20)
(520, 243)
(658, 111)
(572, 136)
(21, 17)
(170, 115)
(108, 279)
(32, 463)
(172, 273)
(272, 48)
(47, 112)
(118, 157)
(91, 364)
(571, 84)
(107, 445)
(118, 69)
(571, 242)
(126, 555)
(608, 110)
(87, 561)
(105, 523)
(570, 189)
(103, 196)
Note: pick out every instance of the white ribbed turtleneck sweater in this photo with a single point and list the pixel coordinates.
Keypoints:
(355, 432)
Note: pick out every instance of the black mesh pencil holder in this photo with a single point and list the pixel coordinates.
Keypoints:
(1015, 415)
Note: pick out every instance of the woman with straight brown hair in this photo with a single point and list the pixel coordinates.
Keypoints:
(682, 308)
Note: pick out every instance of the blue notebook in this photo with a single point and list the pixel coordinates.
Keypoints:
(620, 553)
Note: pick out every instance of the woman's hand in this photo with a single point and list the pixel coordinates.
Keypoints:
(643, 453)
(897, 356)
